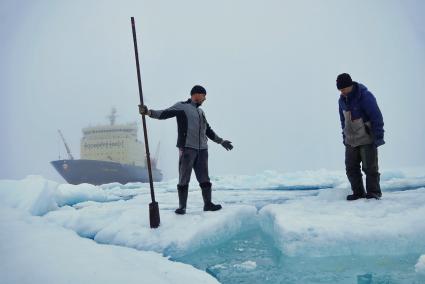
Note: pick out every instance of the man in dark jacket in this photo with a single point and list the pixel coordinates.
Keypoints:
(193, 133)
(363, 133)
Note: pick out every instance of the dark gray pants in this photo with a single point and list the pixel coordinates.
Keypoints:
(196, 159)
(367, 155)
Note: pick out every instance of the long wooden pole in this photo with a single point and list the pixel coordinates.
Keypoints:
(153, 207)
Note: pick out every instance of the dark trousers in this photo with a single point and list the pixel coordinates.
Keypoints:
(197, 160)
(367, 155)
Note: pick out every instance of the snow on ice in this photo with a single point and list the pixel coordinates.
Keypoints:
(35, 251)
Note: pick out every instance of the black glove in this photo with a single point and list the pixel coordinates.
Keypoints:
(144, 110)
(227, 145)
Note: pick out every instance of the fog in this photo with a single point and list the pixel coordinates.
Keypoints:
(269, 68)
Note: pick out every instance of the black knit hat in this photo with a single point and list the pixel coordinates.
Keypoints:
(343, 81)
(198, 90)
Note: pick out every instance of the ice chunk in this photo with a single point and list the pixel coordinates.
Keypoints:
(320, 226)
(420, 266)
(67, 194)
(127, 224)
(302, 180)
(34, 194)
(38, 195)
(319, 179)
(247, 265)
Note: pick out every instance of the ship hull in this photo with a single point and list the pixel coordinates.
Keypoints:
(101, 172)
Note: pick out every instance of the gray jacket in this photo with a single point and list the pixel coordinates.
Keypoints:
(192, 126)
(357, 132)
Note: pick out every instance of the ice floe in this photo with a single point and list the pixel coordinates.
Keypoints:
(304, 213)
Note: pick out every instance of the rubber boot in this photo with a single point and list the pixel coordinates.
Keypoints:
(371, 195)
(357, 187)
(354, 174)
(183, 191)
(352, 197)
(206, 195)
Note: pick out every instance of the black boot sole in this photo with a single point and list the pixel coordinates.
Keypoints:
(180, 211)
(374, 196)
(216, 208)
(353, 198)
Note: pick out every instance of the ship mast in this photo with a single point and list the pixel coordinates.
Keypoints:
(66, 145)
(112, 116)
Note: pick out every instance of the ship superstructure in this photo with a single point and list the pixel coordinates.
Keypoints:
(109, 153)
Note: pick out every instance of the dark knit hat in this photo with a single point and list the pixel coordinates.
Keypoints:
(343, 81)
(198, 90)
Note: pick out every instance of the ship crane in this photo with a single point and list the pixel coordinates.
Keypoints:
(66, 145)
(155, 158)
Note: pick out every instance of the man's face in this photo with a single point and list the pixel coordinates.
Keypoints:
(198, 98)
(345, 91)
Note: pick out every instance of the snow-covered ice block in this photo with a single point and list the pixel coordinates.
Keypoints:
(317, 179)
(37, 195)
(246, 265)
(281, 181)
(35, 251)
(34, 194)
(126, 223)
(322, 226)
(68, 194)
(420, 266)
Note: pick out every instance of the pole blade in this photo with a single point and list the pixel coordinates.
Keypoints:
(154, 215)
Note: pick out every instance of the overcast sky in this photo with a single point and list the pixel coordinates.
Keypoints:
(269, 68)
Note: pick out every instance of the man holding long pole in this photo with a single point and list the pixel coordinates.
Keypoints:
(193, 134)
